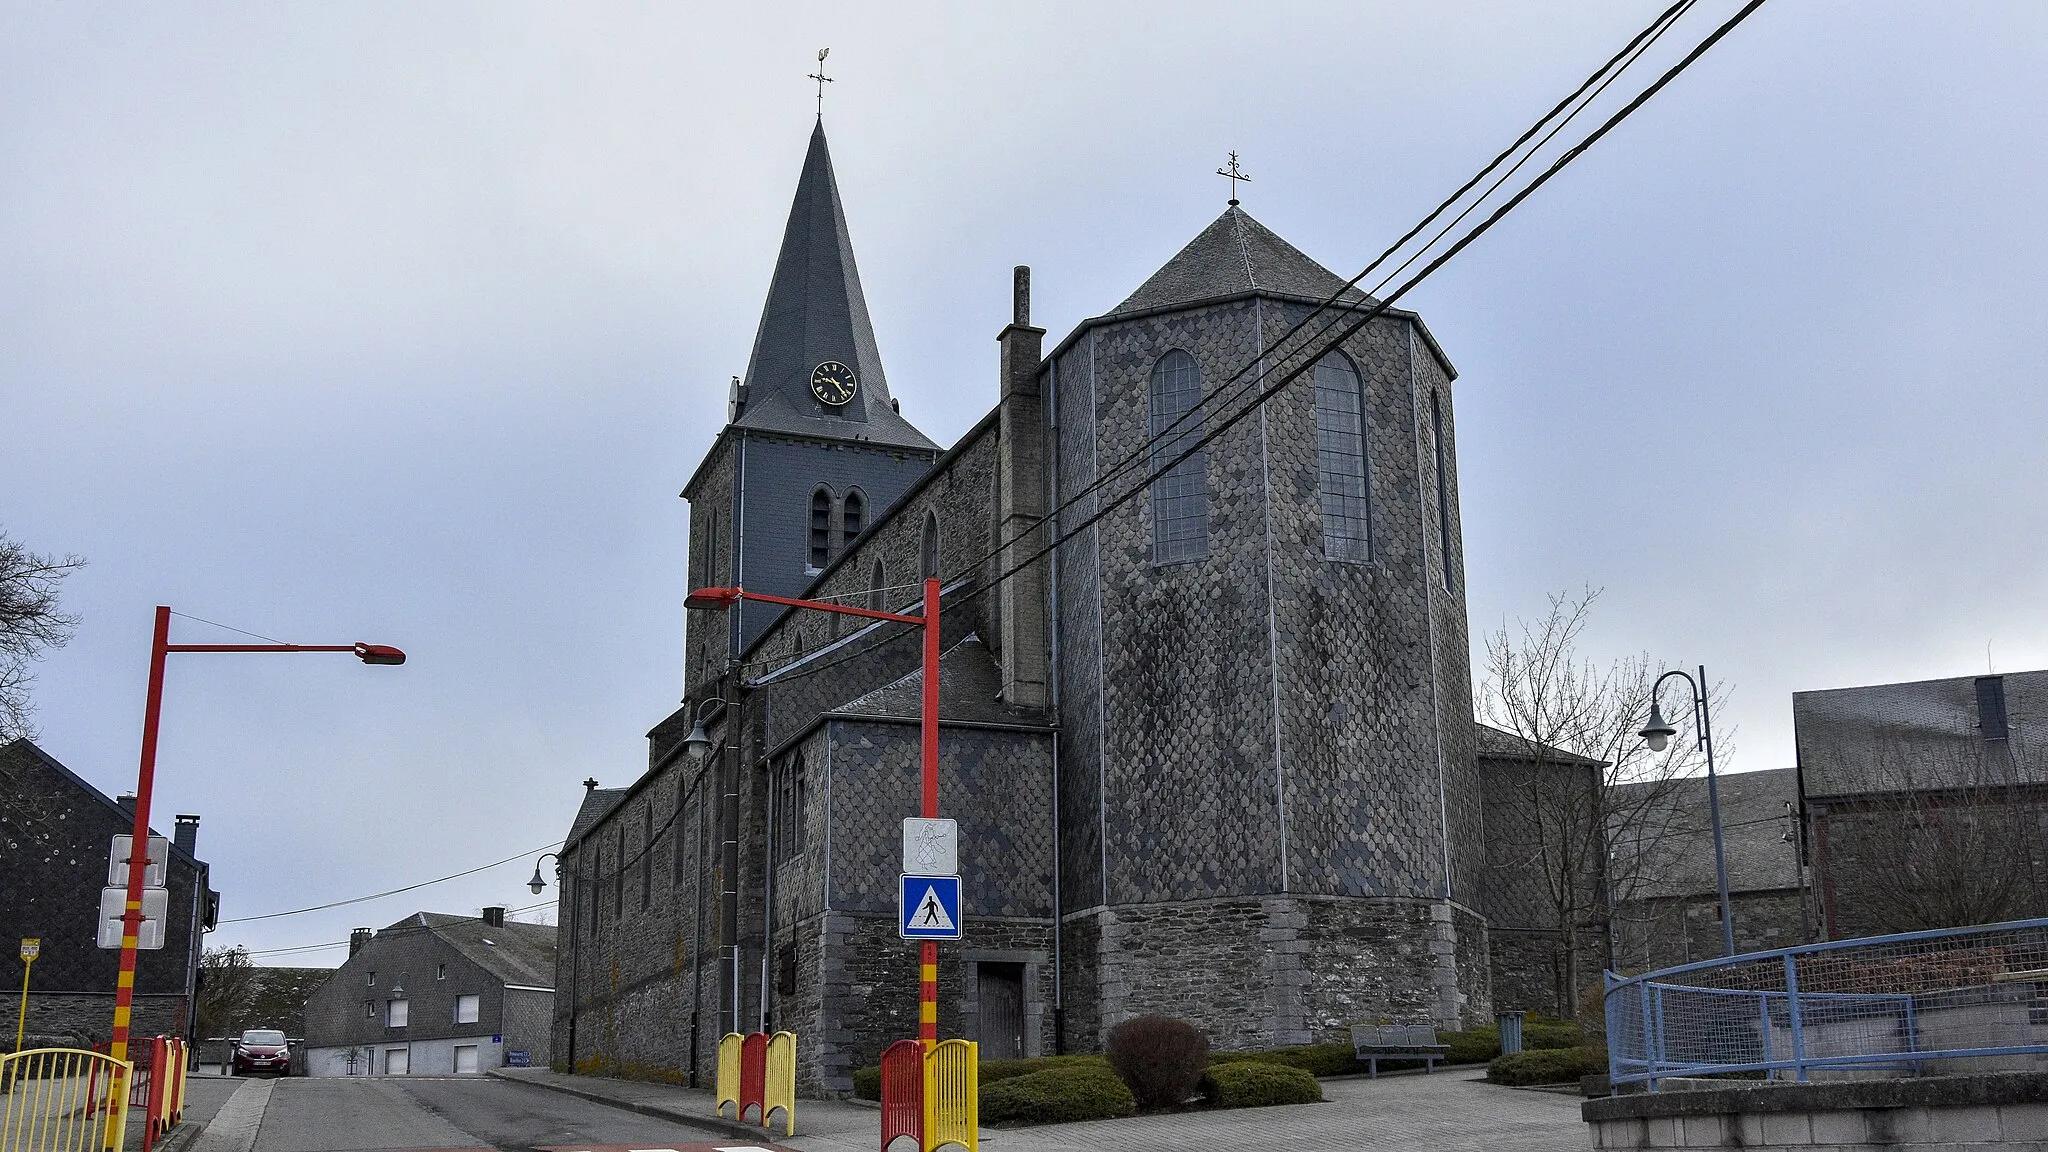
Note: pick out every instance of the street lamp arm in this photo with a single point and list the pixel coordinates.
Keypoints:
(367, 653)
(720, 599)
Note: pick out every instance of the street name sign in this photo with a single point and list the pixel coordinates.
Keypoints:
(117, 861)
(929, 908)
(931, 847)
(156, 902)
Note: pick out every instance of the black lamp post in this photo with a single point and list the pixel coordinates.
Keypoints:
(1657, 734)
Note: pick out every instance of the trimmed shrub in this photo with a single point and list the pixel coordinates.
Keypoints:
(867, 1082)
(1160, 1058)
(1078, 1091)
(1256, 1084)
(1547, 1066)
(994, 1070)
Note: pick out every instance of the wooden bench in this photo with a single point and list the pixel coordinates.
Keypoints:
(1375, 1042)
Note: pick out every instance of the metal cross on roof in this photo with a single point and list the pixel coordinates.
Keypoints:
(1235, 173)
(823, 80)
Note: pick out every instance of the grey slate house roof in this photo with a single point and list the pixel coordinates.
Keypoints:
(1760, 842)
(522, 954)
(1499, 744)
(1920, 735)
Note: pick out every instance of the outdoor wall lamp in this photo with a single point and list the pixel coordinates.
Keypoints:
(536, 884)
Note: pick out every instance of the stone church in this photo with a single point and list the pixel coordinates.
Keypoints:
(1213, 756)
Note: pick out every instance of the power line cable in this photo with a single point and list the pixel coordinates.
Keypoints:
(1631, 52)
(392, 892)
(1577, 101)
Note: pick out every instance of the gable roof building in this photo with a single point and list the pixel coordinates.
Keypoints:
(56, 834)
(435, 994)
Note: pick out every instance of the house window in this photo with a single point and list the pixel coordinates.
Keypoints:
(853, 516)
(466, 1009)
(789, 809)
(821, 527)
(928, 548)
(395, 1013)
(465, 1059)
(370, 981)
(1180, 496)
(397, 1061)
(369, 1009)
(877, 581)
(1443, 487)
(711, 575)
(1340, 461)
(440, 971)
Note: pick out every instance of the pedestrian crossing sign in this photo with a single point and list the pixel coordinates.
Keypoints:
(929, 908)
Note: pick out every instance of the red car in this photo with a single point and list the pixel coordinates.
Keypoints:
(263, 1050)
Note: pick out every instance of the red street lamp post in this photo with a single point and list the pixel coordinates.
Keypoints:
(145, 781)
(720, 599)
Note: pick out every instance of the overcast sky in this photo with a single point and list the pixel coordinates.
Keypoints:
(406, 324)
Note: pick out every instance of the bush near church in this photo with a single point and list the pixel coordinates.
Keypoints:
(1255, 1084)
(1547, 1066)
(1078, 1091)
(1160, 1058)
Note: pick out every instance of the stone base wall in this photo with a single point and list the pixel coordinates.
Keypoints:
(82, 1019)
(1949, 1113)
(1271, 971)
(865, 985)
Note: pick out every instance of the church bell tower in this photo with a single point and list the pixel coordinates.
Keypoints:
(813, 448)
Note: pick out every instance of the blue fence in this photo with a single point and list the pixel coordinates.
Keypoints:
(1918, 1003)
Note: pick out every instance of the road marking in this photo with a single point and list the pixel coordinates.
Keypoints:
(233, 1128)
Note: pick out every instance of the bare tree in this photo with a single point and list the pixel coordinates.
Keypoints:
(1946, 832)
(227, 984)
(30, 625)
(1565, 832)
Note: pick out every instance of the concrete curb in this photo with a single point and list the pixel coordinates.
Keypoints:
(716, 1124)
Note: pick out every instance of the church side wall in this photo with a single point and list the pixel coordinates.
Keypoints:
(1189, 786)
(1070, 389)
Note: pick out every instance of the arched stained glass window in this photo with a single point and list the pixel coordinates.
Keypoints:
(877, 599)
(928, 548)
(1180, 497)
(821, 527)
(1341, 470)
(853, 515)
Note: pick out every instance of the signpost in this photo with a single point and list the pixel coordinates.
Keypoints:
(31, 947)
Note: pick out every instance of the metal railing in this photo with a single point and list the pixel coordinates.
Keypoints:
(1917, 1003)
(63, 1100)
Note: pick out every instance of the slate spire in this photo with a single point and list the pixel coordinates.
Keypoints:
(816, 313)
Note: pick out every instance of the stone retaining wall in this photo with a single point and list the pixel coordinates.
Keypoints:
(2003, 1110)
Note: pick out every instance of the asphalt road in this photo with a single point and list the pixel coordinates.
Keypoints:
(354, 1114)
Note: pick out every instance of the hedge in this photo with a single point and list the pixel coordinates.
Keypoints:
(867, 1082)
(1057, 1096)
(1257, 1084)
(1547, 1066)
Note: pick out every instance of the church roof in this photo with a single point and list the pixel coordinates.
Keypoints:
(816, 312)
(1234, 255)
(970, 691)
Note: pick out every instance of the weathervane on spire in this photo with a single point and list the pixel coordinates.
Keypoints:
(1235, 173)
(823, 80)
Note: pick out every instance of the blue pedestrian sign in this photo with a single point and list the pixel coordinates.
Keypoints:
(929, 908)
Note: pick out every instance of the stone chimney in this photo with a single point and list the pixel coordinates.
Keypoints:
(494, 917)
(186, 834)
(357, 938)
(1021, 461)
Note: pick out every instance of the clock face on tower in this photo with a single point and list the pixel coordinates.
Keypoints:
(833, 383)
